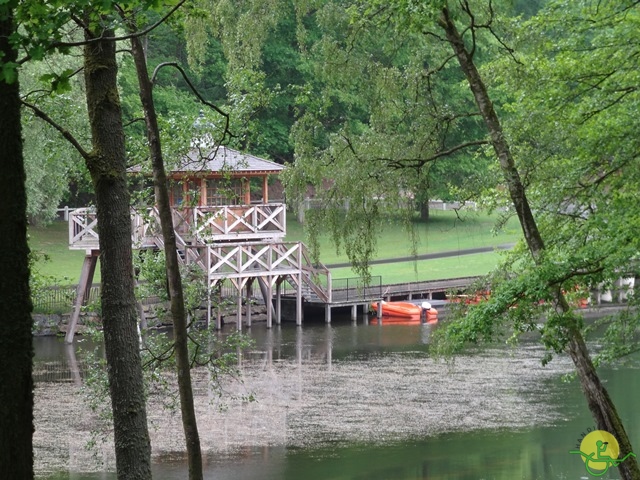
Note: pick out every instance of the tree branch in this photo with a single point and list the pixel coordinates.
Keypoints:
(224, 114)
(100, 38)
(63, 131)
(402, 163)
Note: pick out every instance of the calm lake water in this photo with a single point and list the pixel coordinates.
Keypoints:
(357, 401)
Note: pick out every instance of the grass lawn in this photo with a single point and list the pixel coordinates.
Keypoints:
(64, 264)
(444, 232)
(435, 269)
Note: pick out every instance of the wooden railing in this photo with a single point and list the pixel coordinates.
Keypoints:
(254, 259)
(203, 224)
(240, 222)
(83, 229)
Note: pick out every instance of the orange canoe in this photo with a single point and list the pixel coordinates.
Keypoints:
(398, 309)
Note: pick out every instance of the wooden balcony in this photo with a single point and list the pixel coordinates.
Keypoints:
(237, 261)
(200, 225)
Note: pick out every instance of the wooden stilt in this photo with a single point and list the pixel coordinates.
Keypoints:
(279, 302)
(208, 306)
(247, 302)
(329, 346)
(299, 301)
(72, 361)
(239, 307)
(270, 307)
(327, 313)
(82, 292)
(266, 296)
(219, 309)
(354, 312)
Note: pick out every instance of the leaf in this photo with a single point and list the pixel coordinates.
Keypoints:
(9, 72)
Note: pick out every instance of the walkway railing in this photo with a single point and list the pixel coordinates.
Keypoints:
(204, 224)
(355, 289)
(256, 259)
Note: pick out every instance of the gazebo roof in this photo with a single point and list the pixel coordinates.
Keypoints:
(203, 161)
(225, 159)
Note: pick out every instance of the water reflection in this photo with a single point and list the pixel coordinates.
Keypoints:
(364, 401)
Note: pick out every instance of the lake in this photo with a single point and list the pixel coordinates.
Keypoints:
(351, 400)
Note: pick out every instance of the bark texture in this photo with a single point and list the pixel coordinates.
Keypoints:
(107, 166)
(16, 349)
(178, 313)
(600, 404)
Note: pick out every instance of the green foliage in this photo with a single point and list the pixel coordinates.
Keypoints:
(51, 163)
(617, 334)
(40, 283)
(569, 103)
(381, 127)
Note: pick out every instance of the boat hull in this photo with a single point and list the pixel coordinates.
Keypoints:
(404, 310)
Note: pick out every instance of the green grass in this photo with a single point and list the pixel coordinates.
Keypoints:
(422, 270)
(64, 264)
(444, 232)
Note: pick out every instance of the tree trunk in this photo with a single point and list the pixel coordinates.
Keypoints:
(107, 165)
(600, 404)
(424, 210)
(189, 420)
(16, 346)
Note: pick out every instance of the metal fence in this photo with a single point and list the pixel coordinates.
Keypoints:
(59, 298)
(355, 288)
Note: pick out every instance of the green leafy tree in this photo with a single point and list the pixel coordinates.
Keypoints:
(16, 348)
(52, 166)
(106, 162)
(383, 127)
(576, 250)
(543, 274)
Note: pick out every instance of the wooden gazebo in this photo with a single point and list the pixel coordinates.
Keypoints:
(221, 176)
(225, 224)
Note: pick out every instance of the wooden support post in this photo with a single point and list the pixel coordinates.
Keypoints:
(299, 301)
(219, 309)
(247, 302)
(299, 345)
(379, 309)
(72, 361)
(279, 302)
(266, 295)
(82, 292)
(209, 306)
(327, 313)
(354, 312)
(270, 307)
(265, 189)
(239, 307)
(329, 346)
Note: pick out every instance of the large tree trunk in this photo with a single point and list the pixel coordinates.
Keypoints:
(107, 166)
(600, 404)
(178, 313)
(424, 210)
(16, 347)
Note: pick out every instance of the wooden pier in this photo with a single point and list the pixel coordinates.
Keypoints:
(223, 227)
(351, 293)
(235, 236)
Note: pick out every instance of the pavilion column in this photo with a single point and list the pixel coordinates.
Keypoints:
(265, 190)
(246, 186)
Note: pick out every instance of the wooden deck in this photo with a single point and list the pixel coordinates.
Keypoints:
(351, 293)
(243, 245)
(200, 225)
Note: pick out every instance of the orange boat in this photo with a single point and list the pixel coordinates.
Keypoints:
(406, 310)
